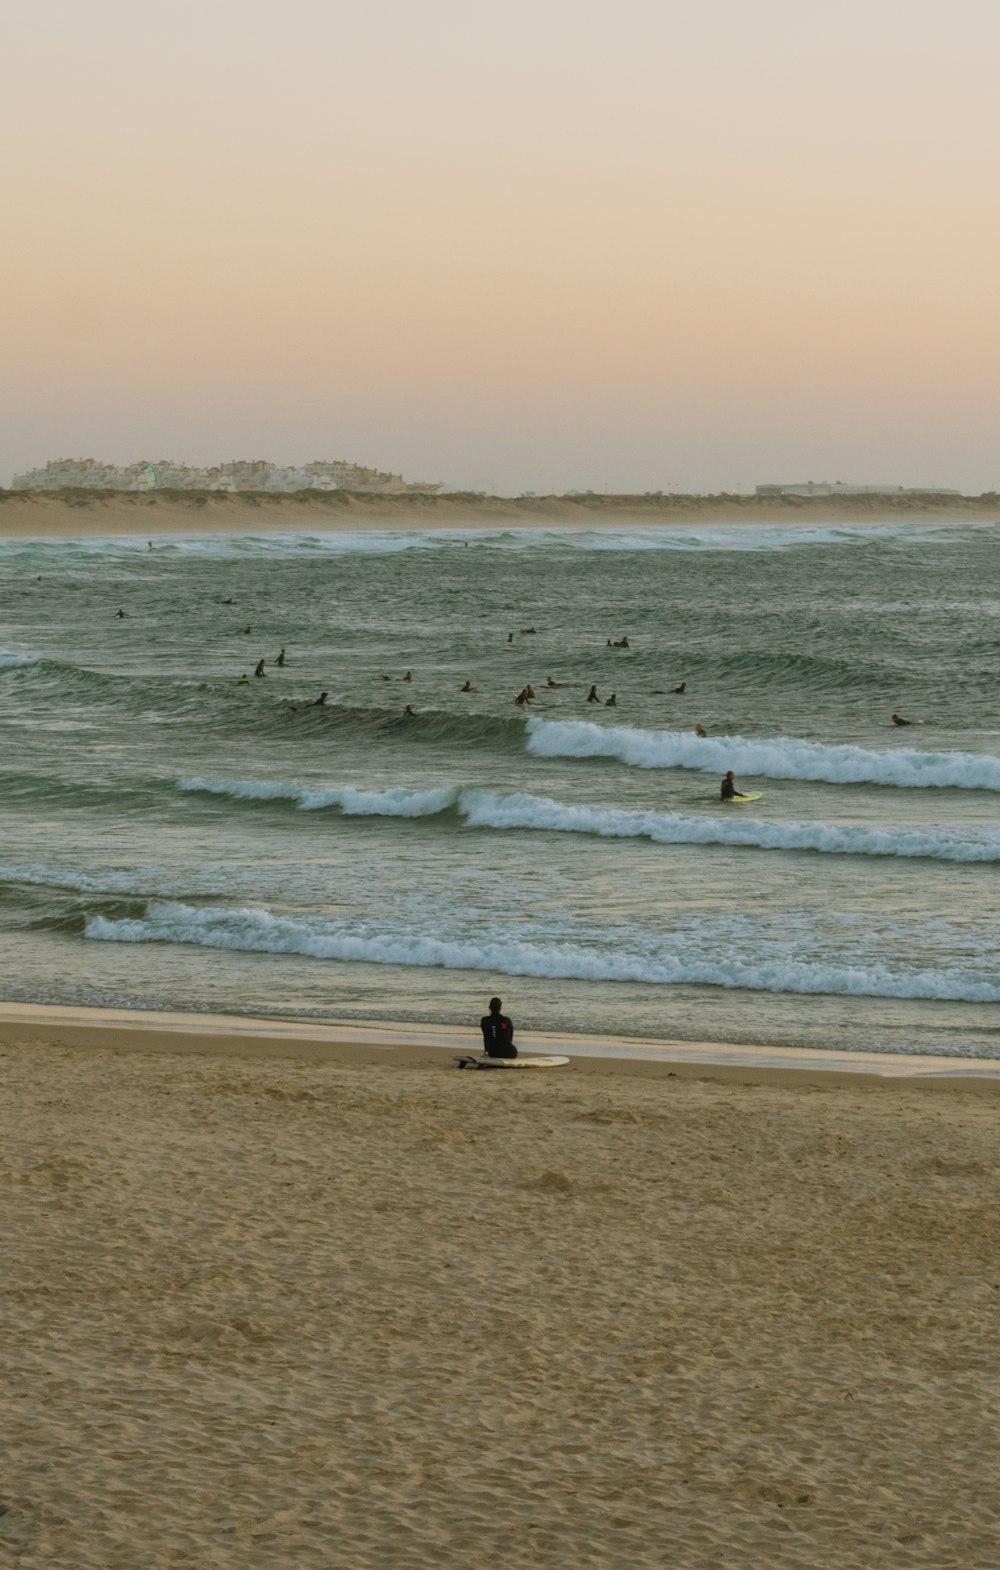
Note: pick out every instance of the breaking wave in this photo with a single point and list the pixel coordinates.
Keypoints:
(780, 758)
(481, 809)
(685, 958)
(486, 810)
(395, 803)
(688, 534)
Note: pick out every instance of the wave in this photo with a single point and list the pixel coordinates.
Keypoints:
(130, 880)
(394, 803)
(226, 702)
(9, 659)
(260, 931)
(482, 809)
(487, 810)
(688, 535)
(781, 758)
(779, 670)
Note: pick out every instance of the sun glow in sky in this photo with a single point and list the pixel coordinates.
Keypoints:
(543, 244)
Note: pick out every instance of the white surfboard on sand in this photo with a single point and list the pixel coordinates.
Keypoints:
(469, 1061)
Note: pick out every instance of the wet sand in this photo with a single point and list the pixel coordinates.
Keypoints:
(276, 1296)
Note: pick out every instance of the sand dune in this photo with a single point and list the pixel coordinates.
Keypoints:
(69, 514)
(287, 1312)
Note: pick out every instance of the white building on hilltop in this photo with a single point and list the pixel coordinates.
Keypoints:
(840, 488)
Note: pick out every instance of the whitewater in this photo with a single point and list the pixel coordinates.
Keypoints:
(779, 758)
(488, 810)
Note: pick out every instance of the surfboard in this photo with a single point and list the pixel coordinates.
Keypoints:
(730, 801)
(536, 1062)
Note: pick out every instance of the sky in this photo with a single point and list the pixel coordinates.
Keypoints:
(606, 244)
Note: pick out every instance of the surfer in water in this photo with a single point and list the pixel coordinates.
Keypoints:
(498, 1032)
(259, 671)
(897, 719)
(700, 730)
(592, 696)
(281, 658)
(320, 702)
(729, 791)
(682, 687)
(612, 702)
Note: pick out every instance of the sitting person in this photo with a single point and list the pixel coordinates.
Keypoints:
(498, 1032)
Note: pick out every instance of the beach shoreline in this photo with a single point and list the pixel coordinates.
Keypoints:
(401, 1044)
(81, 514)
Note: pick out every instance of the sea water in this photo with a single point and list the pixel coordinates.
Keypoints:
(177, 838)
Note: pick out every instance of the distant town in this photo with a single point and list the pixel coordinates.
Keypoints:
(243, 474)
(844, 488)
(336, 474)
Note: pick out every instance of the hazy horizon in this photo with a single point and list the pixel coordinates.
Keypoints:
(558, 245)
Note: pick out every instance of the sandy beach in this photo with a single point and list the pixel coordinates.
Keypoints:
(276, 1300)
(71, 514)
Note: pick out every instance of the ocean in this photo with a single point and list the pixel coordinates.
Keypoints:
(176, 838)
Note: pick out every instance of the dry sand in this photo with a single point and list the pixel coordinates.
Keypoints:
(306, 1309)
(72, 514)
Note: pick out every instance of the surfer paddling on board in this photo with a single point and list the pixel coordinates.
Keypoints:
(498, 1032)
(729, 791)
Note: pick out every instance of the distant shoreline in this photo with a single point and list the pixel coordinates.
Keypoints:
(71, 514)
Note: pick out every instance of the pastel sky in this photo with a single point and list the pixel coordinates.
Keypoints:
(635, 244)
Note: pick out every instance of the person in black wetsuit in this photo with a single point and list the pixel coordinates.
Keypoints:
(498, 1032)
(729, 791)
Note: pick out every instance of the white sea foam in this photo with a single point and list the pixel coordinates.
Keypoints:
(666, 961)
(127, 880)
(8, 657)
(780, 758)
(481, 809)
(581, 536)
(485, 809)
(394, 803)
